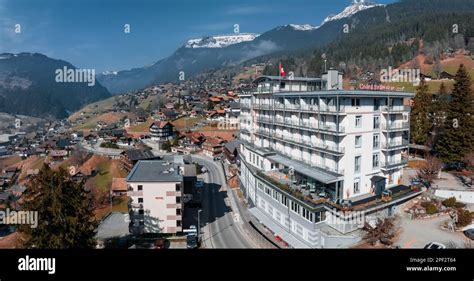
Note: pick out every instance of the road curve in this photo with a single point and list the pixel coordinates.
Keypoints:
(220, 227)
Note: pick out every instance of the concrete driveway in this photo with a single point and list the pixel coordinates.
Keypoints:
(418, 233)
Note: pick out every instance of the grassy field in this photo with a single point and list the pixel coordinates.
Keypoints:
(140, 128)
(94, 107)
(119, 204)
(110, 117)
(188, 122)
(9, 161)
(103, 179)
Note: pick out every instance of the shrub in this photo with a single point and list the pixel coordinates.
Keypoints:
(464, 218)
(450, 202)
(459, 205)
(431, 209)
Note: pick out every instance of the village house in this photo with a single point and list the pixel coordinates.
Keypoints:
(213, 147)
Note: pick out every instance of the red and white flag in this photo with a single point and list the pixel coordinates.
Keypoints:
(282, 71)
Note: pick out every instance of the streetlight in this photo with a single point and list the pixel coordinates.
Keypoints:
(199, 224)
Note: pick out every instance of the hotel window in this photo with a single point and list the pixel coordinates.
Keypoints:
(320, 216)
(260, 185)
(358, 121)
(267, 191)
(357, 164)
(275, 195)
(141, 212)
(178, 199)
(178, 223)
(284, 200)
(140, 200)
(376, 104)
(140, 187)
(307, 215)
(295, 207)
(375, 160)
(376, 141)
(355, 102)
(356, 186)
(178, 212)
(376, 122)
(358, 141)
(178, 187)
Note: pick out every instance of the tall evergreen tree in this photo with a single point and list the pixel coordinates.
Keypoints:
(65, 217)
(420, 122)
(440, 109)
(457, 138)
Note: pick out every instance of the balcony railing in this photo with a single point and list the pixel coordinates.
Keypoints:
(393, 163)
(264, 119)
(395, 126)
(308, 125)
(264, 132)
(309, 144)
(394, 144)
(398, 108)
(262, 106)
(311, 108)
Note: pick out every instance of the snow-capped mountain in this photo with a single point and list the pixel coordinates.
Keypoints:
(220, 41)
(354, 8)
(302, 27)
(108, 72)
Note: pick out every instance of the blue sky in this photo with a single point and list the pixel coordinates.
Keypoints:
(89, 33)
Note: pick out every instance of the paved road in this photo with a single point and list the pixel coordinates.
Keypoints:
(221, 227)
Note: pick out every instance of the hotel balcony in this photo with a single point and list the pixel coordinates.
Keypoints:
(264, 119)
(393, 145)
(245, 106)
(323, 109)
(263, 106)
(310, 126)
(332, 149)
(395, 126)
(258, 90)
(393, 164)
(395, 109)
(265, 133)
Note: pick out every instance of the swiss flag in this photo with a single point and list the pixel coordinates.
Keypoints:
(282, 71)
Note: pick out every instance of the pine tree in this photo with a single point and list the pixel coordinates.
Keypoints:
(457, 138)
(65, 217)
(440, 109)
(420, 122)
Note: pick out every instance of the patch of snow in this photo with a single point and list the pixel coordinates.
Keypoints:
(354, 8)
(220, 41)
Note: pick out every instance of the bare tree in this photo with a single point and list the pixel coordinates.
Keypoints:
(383, 232)
(429, 170)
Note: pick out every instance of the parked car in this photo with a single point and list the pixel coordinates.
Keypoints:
(199, 184)
(191, 241)
(469, 233)
(435, 245)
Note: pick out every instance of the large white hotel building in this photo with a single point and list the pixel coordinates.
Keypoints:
(310, 149)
